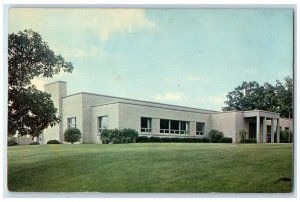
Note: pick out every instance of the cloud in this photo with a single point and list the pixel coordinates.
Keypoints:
(167, 97)
(75, 22)
(123, 20)
(213, 99)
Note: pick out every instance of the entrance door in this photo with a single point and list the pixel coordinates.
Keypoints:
(252, 130)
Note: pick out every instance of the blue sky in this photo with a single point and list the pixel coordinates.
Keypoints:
(189, 57)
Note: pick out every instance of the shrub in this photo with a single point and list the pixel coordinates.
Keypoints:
(166, 139)
(215, 136)
(117, 136)
(123, 140)
(34, 143)
(142, 139)
(250, 140)
(186, 140)
(154, 139)
(128, 140)
(105, 141)
(243, 135)
(72, 135)
(204, 140)
(115, 141)
(12, 141)
(226, 140)
(284, 136)
(53, 142)
(127, 132)
(175, 139)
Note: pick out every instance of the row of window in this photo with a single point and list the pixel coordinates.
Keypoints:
(166, 126)
(171, 126)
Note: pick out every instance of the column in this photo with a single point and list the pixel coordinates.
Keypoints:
(278, 131)
(257, 128)
(272, 130)
(155, 127)
(192, 128)
(265, 130)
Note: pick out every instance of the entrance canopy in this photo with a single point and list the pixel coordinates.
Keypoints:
(261, 119)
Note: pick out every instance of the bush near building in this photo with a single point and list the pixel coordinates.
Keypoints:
(215, 136)
(243, 136)
(72, 135)
(250, 140)
(12, 141)
(284, 136)
(119, 136)
(53, 142)
(146, 139)
(34, 143)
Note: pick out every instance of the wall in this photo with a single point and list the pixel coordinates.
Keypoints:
(57, 91)
(111, 111)
(230, 123)
(130, 117)
(72, 107)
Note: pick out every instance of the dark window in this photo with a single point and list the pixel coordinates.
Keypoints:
(145, 124)
(200, 128)
(174, 126)
(164, 126)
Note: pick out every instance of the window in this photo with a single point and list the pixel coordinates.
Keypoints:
(174, 126)
(200, 128)
(164, 126)
(72, 122)
(102, 123)
(145, 124)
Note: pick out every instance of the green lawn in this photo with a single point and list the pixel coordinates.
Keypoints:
(162, 167)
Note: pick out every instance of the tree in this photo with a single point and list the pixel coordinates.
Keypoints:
(252, 96)
(243, 135)
(72, 135)
(30, 111)
(284, 97)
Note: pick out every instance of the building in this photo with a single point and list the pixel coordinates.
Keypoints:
(92, 113)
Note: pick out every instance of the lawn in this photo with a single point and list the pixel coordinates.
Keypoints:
(161, 167)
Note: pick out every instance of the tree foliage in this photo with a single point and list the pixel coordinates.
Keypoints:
(72, 135)
(252, 96)
(30, 111)
(215, 136)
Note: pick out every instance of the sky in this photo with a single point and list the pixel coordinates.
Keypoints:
(188, 57)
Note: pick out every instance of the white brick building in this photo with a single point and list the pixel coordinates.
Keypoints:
(92, 113)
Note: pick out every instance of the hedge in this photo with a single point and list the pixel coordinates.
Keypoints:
(250, 140)
(146, 139)
(53, 142)
(226, 140)
(118, 136)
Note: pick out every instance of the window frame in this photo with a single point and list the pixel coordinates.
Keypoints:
(200, 132)
(171, 127)
(70, 123)
(148, 129)
(100, 129)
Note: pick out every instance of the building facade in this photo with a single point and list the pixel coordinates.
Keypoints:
(92, 113)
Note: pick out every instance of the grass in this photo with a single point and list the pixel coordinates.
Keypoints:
(161, 167)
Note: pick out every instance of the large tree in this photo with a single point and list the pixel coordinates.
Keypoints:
(30, 111)
(251, 96)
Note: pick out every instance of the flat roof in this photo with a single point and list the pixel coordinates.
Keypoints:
(146, 102)
(185, 109)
